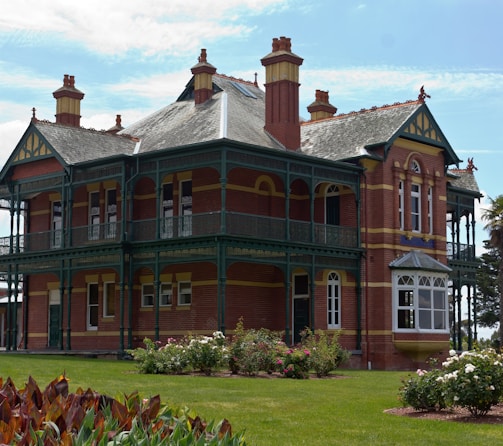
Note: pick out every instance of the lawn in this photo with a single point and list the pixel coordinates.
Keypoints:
(347, 410)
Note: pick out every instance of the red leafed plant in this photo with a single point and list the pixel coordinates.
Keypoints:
(56, 417)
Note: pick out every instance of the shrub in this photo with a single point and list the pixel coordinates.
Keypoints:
(150, 359)
(206, 353)
(473, 380)
(424, 391)
(57, 417)
(294, 363)
(174, 356)
(326, 352)
(252, 351)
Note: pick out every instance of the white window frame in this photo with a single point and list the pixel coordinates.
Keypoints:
(430, 210)
(167, 210)
(401, 211)
(184, 293)
(111, 214)
(147, 295)
(420, 302)
(92, 307)
(333, 300)
(94, 218)
(165, 294)
(185, 210)
(415, 207)
(106, 291)
(56, 224)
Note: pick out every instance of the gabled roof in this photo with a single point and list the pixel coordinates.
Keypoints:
(418, 260)
(464, 179)
(236, 112)
(70, 145)
(356, 134)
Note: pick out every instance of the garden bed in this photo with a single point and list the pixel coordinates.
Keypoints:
(458, 414)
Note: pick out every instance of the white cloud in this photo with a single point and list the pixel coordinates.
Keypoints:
(10, 134)
(368, 81)
(113, 27)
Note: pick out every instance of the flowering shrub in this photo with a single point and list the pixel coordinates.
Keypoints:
(424, 391)
(294, 363)
(206, 353)
(473, 380)
(175, 358)
(326, 353)
(149, 359)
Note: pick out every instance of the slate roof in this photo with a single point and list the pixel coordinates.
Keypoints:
(229, 114)
(464, 179)
(76, 144)
(352, 135)
(417, 259)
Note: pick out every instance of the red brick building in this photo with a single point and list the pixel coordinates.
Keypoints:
(224, 205)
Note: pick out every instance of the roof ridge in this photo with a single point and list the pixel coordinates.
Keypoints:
(366, 110)
(235, 79)
(87, 129)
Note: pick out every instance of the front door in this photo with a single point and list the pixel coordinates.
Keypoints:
(300, 316)
(54, 319)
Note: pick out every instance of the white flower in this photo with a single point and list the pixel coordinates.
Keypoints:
(475, 377)
(420, 372)
(452, 352)
(491, 387)
(456, 398)
(469, 368)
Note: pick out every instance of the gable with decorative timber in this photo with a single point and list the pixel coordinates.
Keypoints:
(32, 147)
(422, 127)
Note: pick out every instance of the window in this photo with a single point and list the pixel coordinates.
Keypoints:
(147, 295)
(166, 297)
(109, 299)
(400, 206)
(167, 211)
(111, 215)
(415, 207)
(184, 293)
(430, 210)
(333, 301)
(332, 206)
(421, 302)
(94, 216)
(301, 285)
(92, 306)
(186, 208)
(415, 167)
(57, 225)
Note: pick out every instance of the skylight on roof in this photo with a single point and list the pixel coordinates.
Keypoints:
(243, 90)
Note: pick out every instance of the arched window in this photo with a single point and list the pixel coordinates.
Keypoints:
(333, 301)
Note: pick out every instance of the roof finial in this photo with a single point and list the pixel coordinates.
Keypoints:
(422, 95)
(33, 116)
(255, 82)
(470, 166)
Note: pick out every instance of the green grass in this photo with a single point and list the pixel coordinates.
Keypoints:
(347, 411)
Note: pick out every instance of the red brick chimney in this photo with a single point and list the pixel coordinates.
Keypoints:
(321, 108)
(203, 79)
(68, 102)
(282, 93)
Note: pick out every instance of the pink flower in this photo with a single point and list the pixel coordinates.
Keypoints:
(307, 352)
(279, 362)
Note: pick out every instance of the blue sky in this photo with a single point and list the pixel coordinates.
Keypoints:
(132, 57)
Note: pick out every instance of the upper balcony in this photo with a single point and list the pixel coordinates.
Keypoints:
(461, 252)
(176, 228)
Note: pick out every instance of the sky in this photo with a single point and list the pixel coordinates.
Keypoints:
(133, 57)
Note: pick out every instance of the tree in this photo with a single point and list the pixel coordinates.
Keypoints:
(488, 294)
(494, 218)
